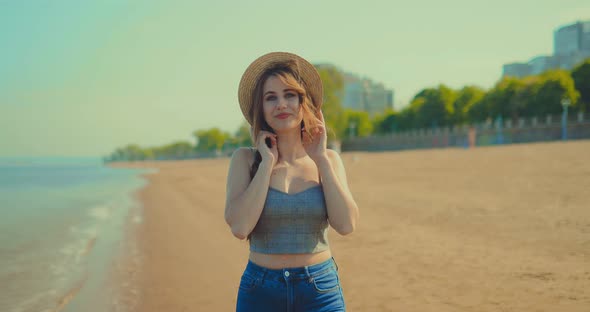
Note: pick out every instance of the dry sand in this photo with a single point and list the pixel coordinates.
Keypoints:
(488, 229)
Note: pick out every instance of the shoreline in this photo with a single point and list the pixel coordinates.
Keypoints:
(124, 274)
(112, 255)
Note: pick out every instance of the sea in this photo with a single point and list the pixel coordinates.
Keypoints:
(62, 224)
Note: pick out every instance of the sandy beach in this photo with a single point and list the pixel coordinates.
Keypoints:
(487, 229)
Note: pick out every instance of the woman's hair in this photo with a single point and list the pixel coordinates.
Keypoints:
(287, 73)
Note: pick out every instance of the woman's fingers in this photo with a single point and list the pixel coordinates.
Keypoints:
(272, 137)
(265, 134)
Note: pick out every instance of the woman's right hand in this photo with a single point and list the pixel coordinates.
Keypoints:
(271, 154)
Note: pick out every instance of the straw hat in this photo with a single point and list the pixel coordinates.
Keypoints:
(306, 71)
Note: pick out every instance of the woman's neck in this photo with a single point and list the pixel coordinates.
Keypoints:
(290, 146)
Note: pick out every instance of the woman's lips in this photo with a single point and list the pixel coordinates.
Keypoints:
(283, 116)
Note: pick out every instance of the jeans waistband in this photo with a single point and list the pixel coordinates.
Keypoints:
(303, 272)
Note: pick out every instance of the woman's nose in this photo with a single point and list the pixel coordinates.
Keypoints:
(282, 102)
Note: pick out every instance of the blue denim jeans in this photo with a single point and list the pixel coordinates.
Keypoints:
(314, 288)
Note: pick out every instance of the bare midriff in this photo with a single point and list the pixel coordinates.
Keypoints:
(281, 261)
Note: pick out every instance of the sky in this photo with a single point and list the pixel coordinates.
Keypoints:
(81, 78)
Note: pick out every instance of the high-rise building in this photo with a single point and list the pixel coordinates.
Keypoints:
(571, 46)
(365, 95)
(572, 39)
(362, 94)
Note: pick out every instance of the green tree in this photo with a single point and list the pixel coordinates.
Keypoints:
(210, 140)
(333, 83)
(555, 85)
(525, 98)
(386, 122)
(581, 76)
(466, 99)
(406, 119)
(133, 152)
(180, 149)
(480, 110)
(176, 150)
(242, 135)
(130, 152)
(503, 99)
(434, 107)
(359, 124)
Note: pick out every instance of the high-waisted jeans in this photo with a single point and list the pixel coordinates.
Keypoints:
(314, 288)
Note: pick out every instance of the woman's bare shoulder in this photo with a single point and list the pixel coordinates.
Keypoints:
(244, 154)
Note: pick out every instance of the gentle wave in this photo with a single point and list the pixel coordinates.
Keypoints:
(69, 295)
(101, 213)
(72, 230)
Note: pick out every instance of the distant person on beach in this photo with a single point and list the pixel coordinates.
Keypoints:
(284, 192)
(472, 136)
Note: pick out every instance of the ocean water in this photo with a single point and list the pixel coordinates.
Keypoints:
(62, 221)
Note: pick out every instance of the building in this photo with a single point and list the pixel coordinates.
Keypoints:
(539, 64)
(363, 94)
(571, 46)
(516, 69)
(572, 39)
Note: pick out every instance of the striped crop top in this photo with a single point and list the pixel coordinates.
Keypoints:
(292, 223)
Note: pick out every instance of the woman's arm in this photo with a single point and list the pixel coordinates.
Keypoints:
(244, 198)
(343, 212)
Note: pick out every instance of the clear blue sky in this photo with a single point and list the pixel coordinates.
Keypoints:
(80, 78)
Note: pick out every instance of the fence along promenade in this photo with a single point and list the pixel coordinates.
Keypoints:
(491, 132)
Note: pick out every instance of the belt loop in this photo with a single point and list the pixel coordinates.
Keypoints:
(262, 274)
(259, 271)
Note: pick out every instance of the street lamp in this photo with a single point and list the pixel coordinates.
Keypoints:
(351, 128)
(565, 103)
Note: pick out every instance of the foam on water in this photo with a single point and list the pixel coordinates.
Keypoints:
(100, 212)
(61, 227)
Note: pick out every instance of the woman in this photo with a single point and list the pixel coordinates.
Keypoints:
(283, 194)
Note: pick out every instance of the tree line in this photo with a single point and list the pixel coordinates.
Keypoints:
(440, 106)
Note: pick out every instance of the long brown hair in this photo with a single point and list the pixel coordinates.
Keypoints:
(287, 73)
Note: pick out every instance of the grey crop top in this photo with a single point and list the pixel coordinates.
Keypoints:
(292, 223)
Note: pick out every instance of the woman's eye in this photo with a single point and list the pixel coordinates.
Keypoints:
(271, 98)
(289, 95)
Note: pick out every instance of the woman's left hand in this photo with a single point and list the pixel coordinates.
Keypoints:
(316, 146)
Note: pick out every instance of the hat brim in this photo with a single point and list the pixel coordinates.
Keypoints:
(306, 71)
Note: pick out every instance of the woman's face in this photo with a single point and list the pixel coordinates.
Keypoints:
(281, 106)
